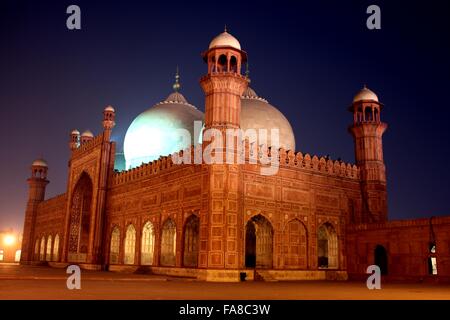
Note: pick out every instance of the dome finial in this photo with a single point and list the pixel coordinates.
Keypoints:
(225, 28)
(176, 85)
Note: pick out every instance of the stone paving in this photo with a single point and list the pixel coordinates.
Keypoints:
(26, 282)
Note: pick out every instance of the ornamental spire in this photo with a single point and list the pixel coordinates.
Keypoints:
(177, 85)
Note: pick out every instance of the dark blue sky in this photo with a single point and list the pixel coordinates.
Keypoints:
(308, 58)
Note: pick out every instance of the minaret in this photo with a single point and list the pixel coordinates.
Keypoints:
(223, 86)
(86, 136)
(74, 139)
(108, 149)
(37, 183)
(109, 116)
(367, 131)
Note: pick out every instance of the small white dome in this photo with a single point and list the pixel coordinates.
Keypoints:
(87, 133)
(40, 163)
(110, 108)
(75, 131)
(365, 94)
(225, 40)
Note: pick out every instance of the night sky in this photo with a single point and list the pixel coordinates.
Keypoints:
(308, 58)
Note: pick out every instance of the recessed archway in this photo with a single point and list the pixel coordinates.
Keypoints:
(80, 218)
(48, 253)
(191, 238)
(148, 244)
(56, 248)
(258, 243)
(42, 249)
(168, 243)
(327, 246)
(381, 259)
(130, 245)
(114, 248)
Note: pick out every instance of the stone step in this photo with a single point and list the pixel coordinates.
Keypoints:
(261, 275)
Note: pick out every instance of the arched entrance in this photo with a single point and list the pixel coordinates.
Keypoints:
(80, 218)
(190, 248)
(381, 259)
(168, 243)
(258, 243)
(130, 245)
(48, 254)
(114, 247)
(42, 251)
(148, 244)
(56, 248)
(327, 246)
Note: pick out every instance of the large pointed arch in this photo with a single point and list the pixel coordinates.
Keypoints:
(259, 243)
(80, 219)
(327, 246)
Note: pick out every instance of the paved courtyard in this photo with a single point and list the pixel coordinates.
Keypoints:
(26, 282)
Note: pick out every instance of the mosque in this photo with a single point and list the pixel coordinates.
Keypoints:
(315, 219)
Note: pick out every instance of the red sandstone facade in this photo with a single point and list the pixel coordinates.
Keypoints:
(315, 219)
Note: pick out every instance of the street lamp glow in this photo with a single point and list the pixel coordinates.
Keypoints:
(9, 240)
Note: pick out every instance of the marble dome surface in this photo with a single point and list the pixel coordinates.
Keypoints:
(257, 113)
(225, 40)
(365, 94)
(154, 132)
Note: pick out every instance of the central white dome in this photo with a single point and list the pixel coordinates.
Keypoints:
(154, 132)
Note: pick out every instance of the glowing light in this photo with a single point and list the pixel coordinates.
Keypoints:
(9, 240)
